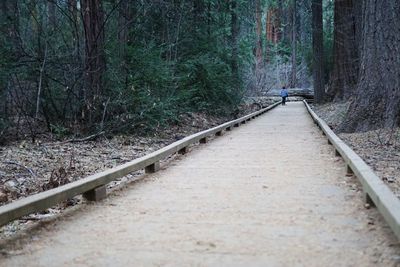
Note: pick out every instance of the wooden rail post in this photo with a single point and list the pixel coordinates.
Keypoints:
(375, 192)
(96, 194)
(203, 140)
(349, 171)
(155, 167)
(368, 200)
(183, 151)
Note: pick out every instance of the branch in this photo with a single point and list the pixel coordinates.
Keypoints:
(88, 138)
(20, 165)
(40, 82)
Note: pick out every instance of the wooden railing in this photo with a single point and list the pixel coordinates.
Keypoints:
(93, 186)
(375, 191)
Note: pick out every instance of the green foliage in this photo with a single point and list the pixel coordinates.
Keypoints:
(162, 59)
(59, 131)
(206, 83)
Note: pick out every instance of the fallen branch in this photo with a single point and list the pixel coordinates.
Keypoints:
(88, 138)
(20, 165)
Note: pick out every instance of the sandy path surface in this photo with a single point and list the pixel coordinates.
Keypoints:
(270, 193)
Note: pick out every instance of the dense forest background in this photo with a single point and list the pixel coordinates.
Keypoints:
(87, 66)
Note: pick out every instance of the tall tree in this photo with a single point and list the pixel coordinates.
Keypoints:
(234, 40)
(10, 21)
(272, 29)
(51, 9)
(318, 51)
(377, 103)
(344, 76)
(124, 21)
(93, 23)
(293, 76)
(259, 46)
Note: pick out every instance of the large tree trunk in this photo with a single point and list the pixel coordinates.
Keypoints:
(344, 75)
(318, 51)
(93, 22)
(272, 30)
(377, 103)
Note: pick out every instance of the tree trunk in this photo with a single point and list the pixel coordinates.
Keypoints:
(268, 33)
(293, 76)
(284, 15)
(93, 23)
(344, 75)
(318, 51)
(198, 12)
(51, 7)
(377, 103)
(234, 41)
(72, 7)
(10, 23)
(272, 30)
(124, 21)
(259, 47)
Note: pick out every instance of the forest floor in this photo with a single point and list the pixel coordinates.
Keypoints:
(28, 168)
(379, 148)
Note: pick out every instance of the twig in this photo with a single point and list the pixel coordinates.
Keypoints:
(90, 137)
(104, 114)
(74, 140)
(40, 83)
(20, 165)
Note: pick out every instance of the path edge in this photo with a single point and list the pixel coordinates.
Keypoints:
(376, 192)
(93, 186)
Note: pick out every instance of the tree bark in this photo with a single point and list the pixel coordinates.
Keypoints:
(259, 46)
(124, 21)
(272, 30)
(93, 22)
(293, 76)
(51, 7)
(72, 7)
(268, 31)
(234, 41)
(10, 25)
(318, 51)
(344, 76)
(377, 103)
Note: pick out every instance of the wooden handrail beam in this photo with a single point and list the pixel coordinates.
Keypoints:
(47, 199)
(375, 190)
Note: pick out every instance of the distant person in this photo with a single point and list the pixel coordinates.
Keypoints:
(284, 95)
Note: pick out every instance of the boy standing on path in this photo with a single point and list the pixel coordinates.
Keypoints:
(284, 95)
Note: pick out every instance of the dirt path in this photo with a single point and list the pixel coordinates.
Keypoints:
(270, 193)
